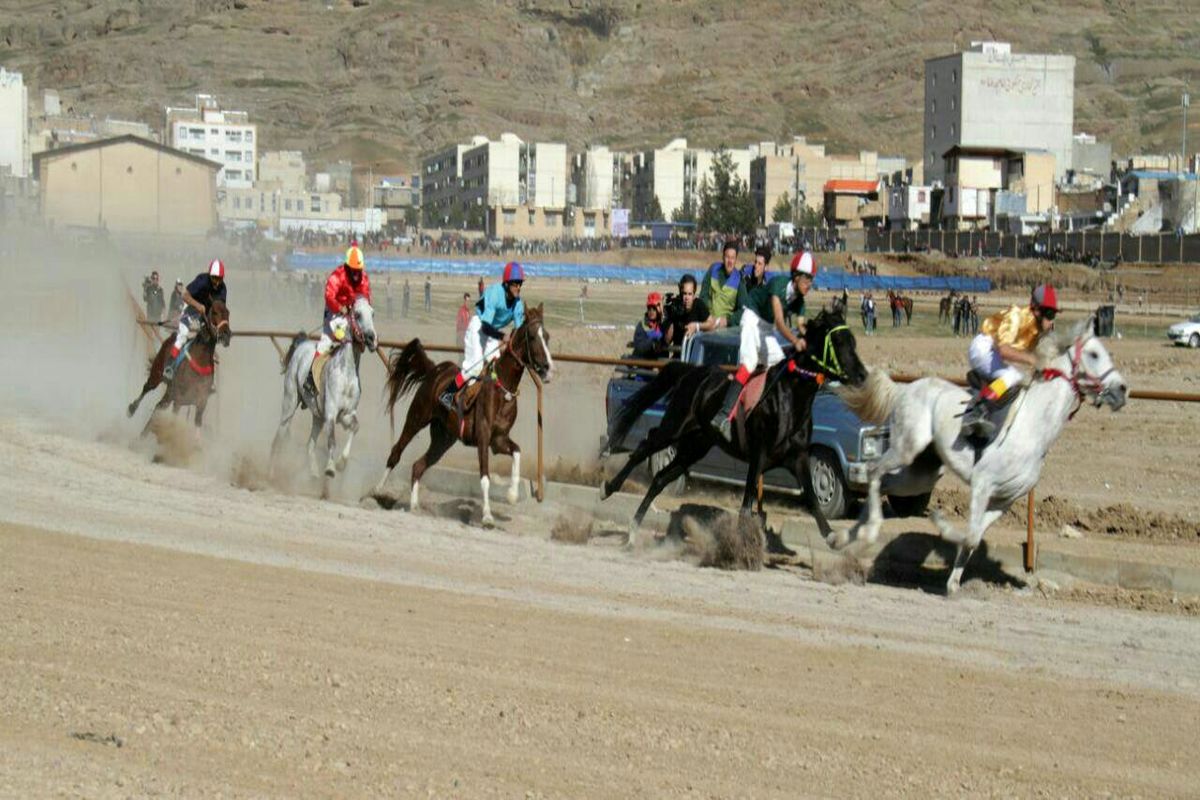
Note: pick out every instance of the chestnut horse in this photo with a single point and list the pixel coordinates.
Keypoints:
(193, 380)
(487, 421)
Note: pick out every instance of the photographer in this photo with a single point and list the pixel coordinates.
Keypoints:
(152, 296)
(686, 313)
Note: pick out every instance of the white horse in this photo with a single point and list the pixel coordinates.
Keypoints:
(926, 428)
(340, 389)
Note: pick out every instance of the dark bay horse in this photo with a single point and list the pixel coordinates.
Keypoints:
(193, 380)
(777, 430)
(487, 421)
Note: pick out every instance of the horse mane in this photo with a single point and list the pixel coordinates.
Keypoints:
(410, 367)
(874, 400)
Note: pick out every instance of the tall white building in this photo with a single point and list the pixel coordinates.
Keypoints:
(674, 174)
(226, 137)
(989, 96)
(14, 123)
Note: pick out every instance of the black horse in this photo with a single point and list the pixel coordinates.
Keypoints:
(777, 430)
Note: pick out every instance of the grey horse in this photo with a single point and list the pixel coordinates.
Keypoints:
(340, 390)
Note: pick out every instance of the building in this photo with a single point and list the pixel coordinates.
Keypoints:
(542, 224)
(801, 169)
(440, 177)
(909, 206)
(989, 96)
(211, 132)
(282, 169)
(1091, 158)
(983, 184)
(674, 174)
(14, 124)
(127, 185)
(398, 195)
(597, 176)
(852, 204)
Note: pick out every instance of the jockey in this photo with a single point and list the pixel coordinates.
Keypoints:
(765, 303)
(198, 298)
(343, 287)
(500, 306)
(1006, 338)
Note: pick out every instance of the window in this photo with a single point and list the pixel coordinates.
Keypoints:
(214, 132)
(532, 217)
(952, 130)
(249, 174)
(933, 106)
(197, 151)
(953, 104)
(951, 194)
(933, 78)
(237, 202)
(249, 136)
(233, 174)
(212, 151)
(197, 133)
(933, 131)
(287, 205)
(233, 155)
(552, 220)
(315, 203)
(233, 136)
(510, 217)
(954, 75)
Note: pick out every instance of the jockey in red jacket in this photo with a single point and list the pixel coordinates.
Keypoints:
(346, 284)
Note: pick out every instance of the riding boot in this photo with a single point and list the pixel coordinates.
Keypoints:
(169, 368)
(976, 422)
(722, 420)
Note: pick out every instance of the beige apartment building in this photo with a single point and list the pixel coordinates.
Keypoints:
(983, 183)
(543, 224)
(127, 185)
(801, 169)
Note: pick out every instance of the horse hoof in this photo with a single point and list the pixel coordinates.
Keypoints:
(130, 409)
(489, 522)
(330, 472)
(513, 498)
(340, 465)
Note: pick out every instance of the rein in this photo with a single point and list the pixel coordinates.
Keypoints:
(829, 361)
(1082, 386)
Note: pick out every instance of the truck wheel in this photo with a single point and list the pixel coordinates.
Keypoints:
(829, 485)
(1194, 341)
(912, 506)
(658, 462)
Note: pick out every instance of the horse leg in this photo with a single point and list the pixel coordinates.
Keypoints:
(503, 445)
(871, 517)
(440, 440)
(317, 424)
(968, 540)
(198, 416)
(291, 402)
(483, 434)
(690, 451)
(657, 439)
(412, 426)
(153, 380)
(352, 427)
(331, 423)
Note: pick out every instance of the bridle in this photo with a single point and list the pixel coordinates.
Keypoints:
(828, 362)
(1084, 385)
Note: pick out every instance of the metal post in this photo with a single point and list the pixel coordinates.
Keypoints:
(541, 473)
(1183, 153)
(1030, 548)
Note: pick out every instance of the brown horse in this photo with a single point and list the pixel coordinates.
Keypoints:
(487, 421)
(193, 380)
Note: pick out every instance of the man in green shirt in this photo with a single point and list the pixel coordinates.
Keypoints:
(763, 304)
(719, 287)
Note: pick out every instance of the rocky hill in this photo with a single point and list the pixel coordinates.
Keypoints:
(382, 82)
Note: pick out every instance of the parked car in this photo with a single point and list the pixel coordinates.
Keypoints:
(1186, 332)
(842, 444)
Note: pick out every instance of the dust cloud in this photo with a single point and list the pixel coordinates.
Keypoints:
(75, 358)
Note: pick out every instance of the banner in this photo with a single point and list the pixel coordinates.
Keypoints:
(620, 222)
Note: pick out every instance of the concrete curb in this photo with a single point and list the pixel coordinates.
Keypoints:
(904, 556)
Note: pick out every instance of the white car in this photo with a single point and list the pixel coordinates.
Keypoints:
(1186, 332)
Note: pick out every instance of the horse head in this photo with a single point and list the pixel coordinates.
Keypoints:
(1093, 373)
(534, 348)
(218, 323)
(831, 346)
(362, 326)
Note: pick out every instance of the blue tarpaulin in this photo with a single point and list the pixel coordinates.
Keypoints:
(827, 278)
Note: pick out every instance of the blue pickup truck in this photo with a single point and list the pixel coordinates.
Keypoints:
(842, 444)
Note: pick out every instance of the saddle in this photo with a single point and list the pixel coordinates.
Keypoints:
(185, 355)
(747, 400)
(310, 396)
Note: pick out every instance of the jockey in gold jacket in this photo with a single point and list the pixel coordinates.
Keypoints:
(1006, 339)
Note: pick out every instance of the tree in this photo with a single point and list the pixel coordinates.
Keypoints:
(687, 211)
(725, 201)
(783, 210)
(654, 212)
(412, 217)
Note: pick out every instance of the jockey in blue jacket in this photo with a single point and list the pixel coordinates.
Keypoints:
(500, 306)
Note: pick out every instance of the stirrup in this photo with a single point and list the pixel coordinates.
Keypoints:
(447, 400)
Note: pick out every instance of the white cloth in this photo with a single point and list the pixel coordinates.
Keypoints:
(758, 344)
(478, 349)
(334, 324)
(189, 326)
(985, 359)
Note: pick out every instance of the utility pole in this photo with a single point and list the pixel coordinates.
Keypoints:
(1183, 154)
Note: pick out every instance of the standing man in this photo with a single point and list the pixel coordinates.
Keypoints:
(764, 304)
(428, 293)
(500, 307)
(152, 295)
(175, 304)
(407, 299)
(199, 296)
(464, 317)
(391, 300)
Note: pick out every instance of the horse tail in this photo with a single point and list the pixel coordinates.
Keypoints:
(875, 399)
(297, 340)
(410, 367)
(664, 383)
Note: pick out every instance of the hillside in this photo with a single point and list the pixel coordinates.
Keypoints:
(386, 81)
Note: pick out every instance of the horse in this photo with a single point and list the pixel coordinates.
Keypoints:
(906, 303)
(485, 424)
(193, 380)
(945, 306)
(840, 303)
(926, 433)
(340, 389)
(776, 431)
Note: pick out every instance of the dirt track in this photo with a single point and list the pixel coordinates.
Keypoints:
(281, 645)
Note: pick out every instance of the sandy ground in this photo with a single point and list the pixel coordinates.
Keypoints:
(175, 623)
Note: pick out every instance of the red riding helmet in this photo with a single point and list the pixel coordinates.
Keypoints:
(216, 268)
(1044, 296)
(653, 299)
(513, 272)
(803, 263)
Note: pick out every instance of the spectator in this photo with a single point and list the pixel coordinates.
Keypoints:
(687, 314)
(649, 339)
(175, 305)
(406, 300)
(391, 301)
(481, 286)
(464, 317)
(152, 294)
(428, 293)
